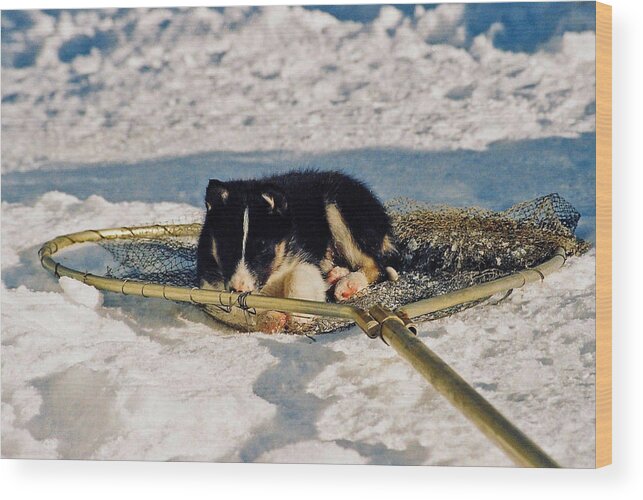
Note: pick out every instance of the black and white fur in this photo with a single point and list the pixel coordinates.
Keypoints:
(294, 235)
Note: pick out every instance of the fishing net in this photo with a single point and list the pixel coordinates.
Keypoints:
(442, 249)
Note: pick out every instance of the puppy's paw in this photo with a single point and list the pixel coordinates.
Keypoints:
(349, 285)
(271, 321)
(336, 274)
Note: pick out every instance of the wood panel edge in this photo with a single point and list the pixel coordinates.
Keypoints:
(603, 234)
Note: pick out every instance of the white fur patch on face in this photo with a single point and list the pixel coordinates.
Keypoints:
(242, 280)
(246, 227)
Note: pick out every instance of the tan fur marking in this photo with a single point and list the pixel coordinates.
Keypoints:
(326, 266)
(280, 255)
(346, 245)
(342, 236)
(370, 269)
(269, 199)
(387, 245)
(327, 263)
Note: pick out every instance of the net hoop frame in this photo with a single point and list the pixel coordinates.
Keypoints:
(393, 327)
(202, 296)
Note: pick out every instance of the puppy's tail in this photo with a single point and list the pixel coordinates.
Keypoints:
(391, 273)
(390, 259)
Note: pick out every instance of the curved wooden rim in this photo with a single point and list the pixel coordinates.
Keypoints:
(246, 301)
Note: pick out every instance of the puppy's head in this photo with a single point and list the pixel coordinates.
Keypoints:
(249, 223)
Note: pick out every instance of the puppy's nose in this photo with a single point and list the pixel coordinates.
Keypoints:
(242, 280)
(241, 286)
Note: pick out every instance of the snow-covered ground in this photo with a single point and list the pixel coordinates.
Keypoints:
(92, 376)
(129, 85)
(100, 139)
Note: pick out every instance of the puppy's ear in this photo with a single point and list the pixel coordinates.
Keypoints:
(275, 200)
(216, 194)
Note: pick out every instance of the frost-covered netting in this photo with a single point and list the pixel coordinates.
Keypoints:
(442, 249)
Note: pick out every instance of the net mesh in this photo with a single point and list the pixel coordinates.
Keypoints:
(442, 249)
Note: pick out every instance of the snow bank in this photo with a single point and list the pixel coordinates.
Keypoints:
(80, 293)
(95, 86)
(148, 379)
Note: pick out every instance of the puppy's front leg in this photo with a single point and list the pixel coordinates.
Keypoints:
(305, 281)
(354, 282)
(350, 284)
(302, 281)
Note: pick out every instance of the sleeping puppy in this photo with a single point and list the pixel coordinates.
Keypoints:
(294, 235)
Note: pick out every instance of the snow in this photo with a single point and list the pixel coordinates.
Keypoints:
(144, 84)
(80, 293)
(107, 97)
(148, 379)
